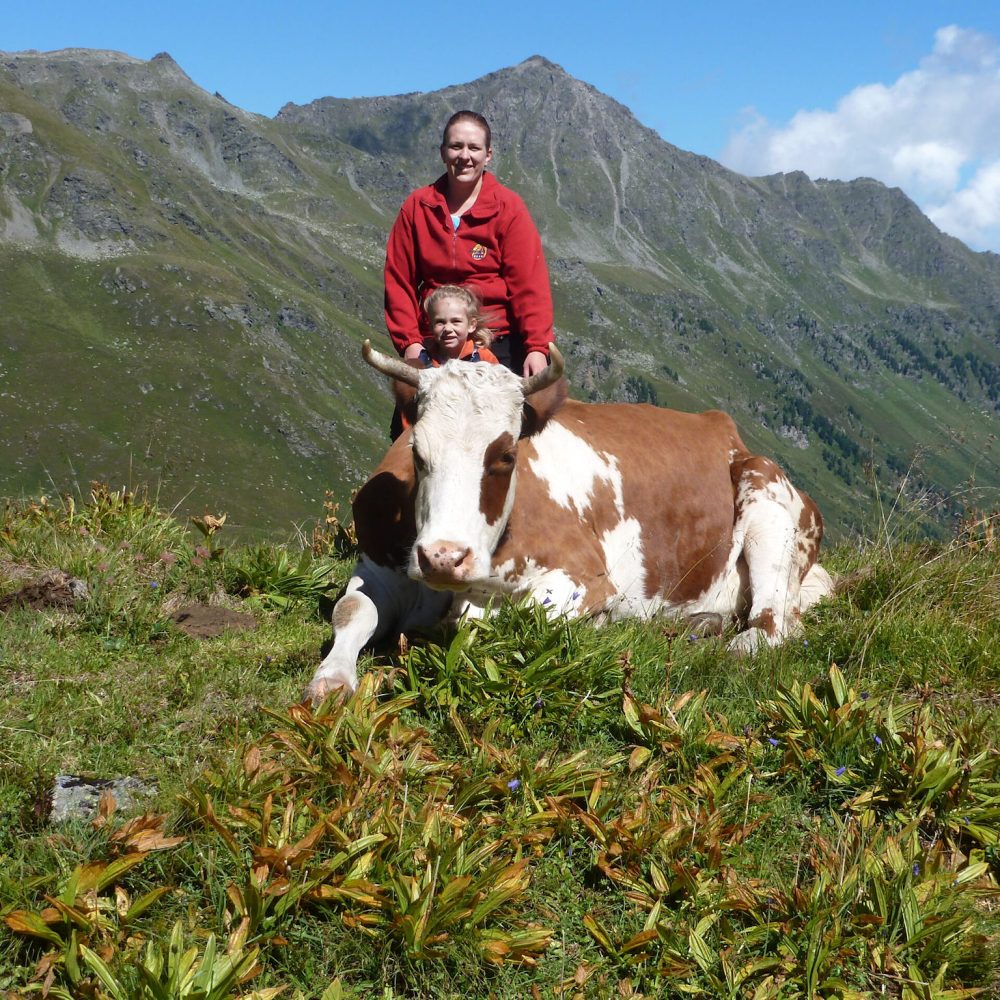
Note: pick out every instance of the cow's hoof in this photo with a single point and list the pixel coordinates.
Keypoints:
(749, 643)
(322, 687)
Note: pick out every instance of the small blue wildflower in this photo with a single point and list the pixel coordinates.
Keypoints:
(548, 600)
(840, 771)
(538, 702)
(153, 584)
(805, 642)
(772, 741)
(878, 740)
(692, 637)
(865, 695)
(569, 853)
(576, 595)
(916, 867)
(514, 784)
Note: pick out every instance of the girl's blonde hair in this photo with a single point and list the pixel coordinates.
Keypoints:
(482, 336)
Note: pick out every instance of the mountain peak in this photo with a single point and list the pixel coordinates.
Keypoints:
(166, 62)
(540, 62)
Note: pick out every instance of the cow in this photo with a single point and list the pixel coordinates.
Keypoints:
(503, 486)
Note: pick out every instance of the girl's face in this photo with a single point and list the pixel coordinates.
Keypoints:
(464, 152)
(451, 326)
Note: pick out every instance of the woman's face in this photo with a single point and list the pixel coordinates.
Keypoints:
(464, 153)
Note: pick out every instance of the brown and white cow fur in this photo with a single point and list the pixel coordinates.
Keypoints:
(611, 510)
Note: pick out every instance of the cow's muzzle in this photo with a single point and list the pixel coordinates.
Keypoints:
(444, 564)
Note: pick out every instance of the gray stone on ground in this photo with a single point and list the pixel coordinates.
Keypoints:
(76, 797)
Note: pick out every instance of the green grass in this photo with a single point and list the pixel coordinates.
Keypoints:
(521, 808)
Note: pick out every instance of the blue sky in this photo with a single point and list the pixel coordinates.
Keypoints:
(908, 92)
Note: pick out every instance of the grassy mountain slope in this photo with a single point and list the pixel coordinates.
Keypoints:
(189, 284)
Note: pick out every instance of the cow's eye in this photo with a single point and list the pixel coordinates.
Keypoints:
(504, 464)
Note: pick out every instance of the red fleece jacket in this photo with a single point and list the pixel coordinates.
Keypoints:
(496, 252)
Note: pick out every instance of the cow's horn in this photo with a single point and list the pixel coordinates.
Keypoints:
(545, 378)
(392, 367)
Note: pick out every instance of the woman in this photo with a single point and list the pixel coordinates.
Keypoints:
(468, 229)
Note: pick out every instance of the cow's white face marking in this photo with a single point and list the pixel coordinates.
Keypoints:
(462, 408)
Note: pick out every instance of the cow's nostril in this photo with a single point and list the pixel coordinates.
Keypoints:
(444, 562)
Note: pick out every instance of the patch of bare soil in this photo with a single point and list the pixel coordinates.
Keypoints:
(202, 621)
(54, 589)
(15, 572)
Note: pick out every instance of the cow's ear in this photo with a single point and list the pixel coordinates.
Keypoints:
(406, 395)
(406, 401)
(540, 407)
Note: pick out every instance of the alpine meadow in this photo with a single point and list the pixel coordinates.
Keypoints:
(523, 805)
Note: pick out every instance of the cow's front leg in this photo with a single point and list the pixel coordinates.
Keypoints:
(355, 624)
(379, 601)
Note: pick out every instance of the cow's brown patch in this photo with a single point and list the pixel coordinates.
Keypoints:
(810, 532)
(755, 471)
(499, 462)
(764, 620)
(677, 483)
(383, 508)
(344, 611)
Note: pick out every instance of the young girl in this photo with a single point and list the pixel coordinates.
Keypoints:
(454, 318)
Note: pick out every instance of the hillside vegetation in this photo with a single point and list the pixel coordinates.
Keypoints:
(186, 287)
(521, 808)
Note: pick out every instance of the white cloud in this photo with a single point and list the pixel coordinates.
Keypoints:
(972, 213)
(934, 132)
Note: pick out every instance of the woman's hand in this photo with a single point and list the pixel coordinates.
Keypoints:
(534, 363)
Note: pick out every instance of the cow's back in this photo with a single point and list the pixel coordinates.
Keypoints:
(604, 487)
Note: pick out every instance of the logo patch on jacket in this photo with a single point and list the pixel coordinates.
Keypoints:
(478, 252)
